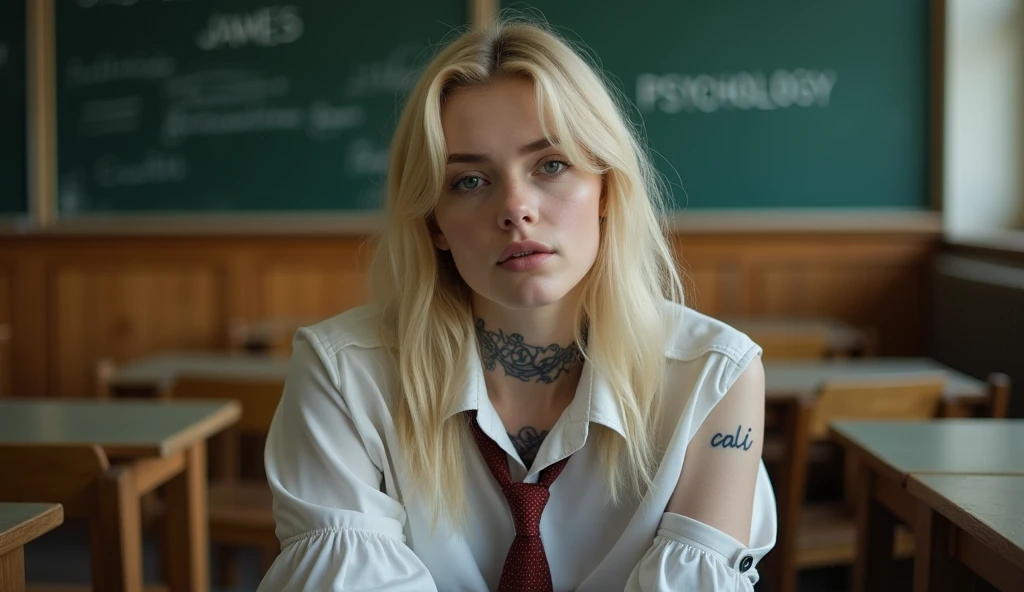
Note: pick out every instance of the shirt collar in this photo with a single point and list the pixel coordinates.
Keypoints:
(592, 402)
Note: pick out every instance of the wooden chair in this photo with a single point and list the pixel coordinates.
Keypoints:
(239, 509)
(81, 479)
(791, 345)
(823, 534)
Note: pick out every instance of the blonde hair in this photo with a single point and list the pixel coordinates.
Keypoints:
(426, 319)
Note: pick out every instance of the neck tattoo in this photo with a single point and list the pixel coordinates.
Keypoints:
(525, 362)
(527, 443)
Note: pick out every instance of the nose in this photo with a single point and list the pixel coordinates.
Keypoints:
(519, 208)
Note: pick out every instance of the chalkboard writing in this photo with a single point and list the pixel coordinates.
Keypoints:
(191, 106)
(13, 160)
(751, 104)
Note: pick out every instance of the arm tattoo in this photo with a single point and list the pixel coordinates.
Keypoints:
(720, 440)
(525, 362)
(527, 443)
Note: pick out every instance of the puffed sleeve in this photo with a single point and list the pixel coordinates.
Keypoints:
(690, 555)
(338, 529)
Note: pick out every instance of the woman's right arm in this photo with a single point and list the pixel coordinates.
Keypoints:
(338, 529)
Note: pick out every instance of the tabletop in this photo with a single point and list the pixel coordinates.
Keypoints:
(790, 379)
(123, 428)
(972, 446)
(160, 370)
(988, 507)
(22, 523)
(838, 335)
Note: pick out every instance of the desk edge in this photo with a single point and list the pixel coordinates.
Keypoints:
(227, 415)
(958, 517)
(41, 524)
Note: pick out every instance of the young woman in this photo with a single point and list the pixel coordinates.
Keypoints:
(527, 405)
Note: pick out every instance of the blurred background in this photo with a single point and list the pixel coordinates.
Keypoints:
(183, 183)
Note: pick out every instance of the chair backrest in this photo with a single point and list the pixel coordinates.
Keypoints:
(898, 398)
(807, 420)
(791, 345)
(52, 473)
(258, 398)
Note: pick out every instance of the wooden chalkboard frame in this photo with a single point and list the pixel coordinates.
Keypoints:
(43, 172)
(15, 221)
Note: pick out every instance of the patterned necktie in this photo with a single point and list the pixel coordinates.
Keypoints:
(526, 566)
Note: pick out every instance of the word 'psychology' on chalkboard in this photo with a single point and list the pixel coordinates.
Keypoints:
(753, 104)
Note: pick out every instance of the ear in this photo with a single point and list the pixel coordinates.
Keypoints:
(440, 241)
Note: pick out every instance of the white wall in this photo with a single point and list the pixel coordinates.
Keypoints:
(984, 144)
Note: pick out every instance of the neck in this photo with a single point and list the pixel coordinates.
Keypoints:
(529, 383)
(525, 361)
(532, 364)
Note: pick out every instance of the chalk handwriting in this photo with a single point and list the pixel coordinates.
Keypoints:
(265, 27)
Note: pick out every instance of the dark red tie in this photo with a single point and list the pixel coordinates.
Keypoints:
(526, 566)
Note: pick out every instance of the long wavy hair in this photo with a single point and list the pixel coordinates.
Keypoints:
(426, 320)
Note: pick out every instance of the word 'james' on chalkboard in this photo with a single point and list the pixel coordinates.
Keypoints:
(244, 105)
(13, 159)
(752, 104)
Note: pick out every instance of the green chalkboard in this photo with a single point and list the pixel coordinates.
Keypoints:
(235, 105)
(769, 103)
(13, 161)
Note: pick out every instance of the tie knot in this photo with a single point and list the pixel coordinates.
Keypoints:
(526, 501)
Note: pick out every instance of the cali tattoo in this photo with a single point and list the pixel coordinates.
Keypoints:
(525, 362)
(527, 443)
(720, 440)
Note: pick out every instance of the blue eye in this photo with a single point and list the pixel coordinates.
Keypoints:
(554, 167)
(468, 183)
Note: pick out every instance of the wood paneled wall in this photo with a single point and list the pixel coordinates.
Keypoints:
(5, 332)
(73, 300)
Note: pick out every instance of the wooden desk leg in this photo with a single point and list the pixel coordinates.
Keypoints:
(935, 568)
(875, 529)
(187, 547)
(116, 533)
(12, 570)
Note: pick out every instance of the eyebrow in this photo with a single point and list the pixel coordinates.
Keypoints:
(534, 146)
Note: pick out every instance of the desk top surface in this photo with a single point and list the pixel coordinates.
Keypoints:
(123, 428)
(964, 446)
(788, 379)
(23, 523)
(988, 507)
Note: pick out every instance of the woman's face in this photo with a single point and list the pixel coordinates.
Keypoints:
(521, 221)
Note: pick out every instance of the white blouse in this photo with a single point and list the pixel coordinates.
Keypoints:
(332, 463)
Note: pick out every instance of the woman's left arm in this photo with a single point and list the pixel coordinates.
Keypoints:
(716, 486)
(703, 543)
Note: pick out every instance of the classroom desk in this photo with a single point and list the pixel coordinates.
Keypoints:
(21, 524)
(154, 375)
(840, 338)
(889, 452)
(969, 521)
(788, 380)
(784, 380)
(163, 443)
